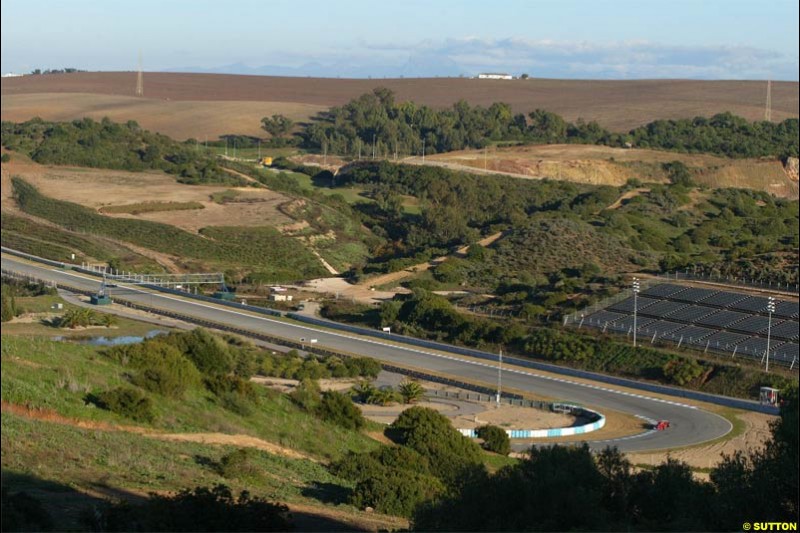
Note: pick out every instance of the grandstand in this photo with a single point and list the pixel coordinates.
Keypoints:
(705, 319)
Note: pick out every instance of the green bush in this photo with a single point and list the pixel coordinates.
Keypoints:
(22, 512)
(495, 439)
(338, 408)
(199, 509)
(238, 464)
(162, 367)
(307, 395)
(391, 479)
(127, 402)
(221, 385)
(209, 353)
(9, 307)
(395, 491)
(682, 370)
(452, 457)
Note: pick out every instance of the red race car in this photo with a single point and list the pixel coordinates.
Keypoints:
(661, 425)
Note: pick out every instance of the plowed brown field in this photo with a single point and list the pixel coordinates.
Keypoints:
(617, 105)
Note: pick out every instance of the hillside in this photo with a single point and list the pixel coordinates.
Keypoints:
(603, 165)
(172, 97)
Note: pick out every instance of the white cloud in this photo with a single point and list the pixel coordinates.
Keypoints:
(539, 58)
(634, 59)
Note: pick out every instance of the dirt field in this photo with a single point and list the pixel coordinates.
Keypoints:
(614, 166)
(617, 105)
(178, 119)
(97, 188)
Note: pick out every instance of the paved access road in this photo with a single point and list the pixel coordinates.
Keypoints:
(689, 425)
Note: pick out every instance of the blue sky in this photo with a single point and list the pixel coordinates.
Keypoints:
(709, 39)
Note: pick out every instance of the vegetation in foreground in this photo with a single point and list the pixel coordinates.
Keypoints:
(195, 381)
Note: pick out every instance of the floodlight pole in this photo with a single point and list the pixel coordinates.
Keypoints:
(770, 310)
(635, 305)
(499, 375)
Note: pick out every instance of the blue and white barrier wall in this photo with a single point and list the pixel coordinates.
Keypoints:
(550, 433)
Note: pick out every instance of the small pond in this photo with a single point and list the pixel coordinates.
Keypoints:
(111, 341)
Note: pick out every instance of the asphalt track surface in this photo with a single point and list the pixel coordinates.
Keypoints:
(689, 425)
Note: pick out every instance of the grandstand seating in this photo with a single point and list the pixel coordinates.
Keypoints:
(707, 319)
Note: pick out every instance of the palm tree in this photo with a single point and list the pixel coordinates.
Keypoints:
(411, 391)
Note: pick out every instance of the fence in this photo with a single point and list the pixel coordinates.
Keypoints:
(777, 357)
(790, 288)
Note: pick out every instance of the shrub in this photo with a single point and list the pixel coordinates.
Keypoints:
(395, 491)
(81, 317)
(22, 512)
(238, 464)
(234, 393)
(9, 307)
(200, 509)
(338, 408)
(495, 439)
(681, 370)
(307, 395)
(127, 402)
(162, 368)
(451, 455)
(209, 353)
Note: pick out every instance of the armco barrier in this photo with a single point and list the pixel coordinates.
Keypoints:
(537, 365)
(78, 268)
(599, 422)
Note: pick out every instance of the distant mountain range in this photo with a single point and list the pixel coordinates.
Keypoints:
(415, 67)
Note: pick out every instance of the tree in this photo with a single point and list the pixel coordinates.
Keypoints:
(307, 394)
(411, 391)
(453, 457)
(9, 307)
(495, 439)
(338, 408)
(277, 125)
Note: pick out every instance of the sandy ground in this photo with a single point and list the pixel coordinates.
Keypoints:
(509, 417)
(756, 433)
(617, 105)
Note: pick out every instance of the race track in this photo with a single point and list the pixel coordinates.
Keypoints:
(689, 425)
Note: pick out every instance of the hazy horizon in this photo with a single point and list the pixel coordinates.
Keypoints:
(570, 39)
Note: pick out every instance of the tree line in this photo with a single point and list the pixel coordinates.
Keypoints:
(374, 124)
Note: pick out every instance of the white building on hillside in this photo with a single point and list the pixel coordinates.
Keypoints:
(12, 75)
(495, 76)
